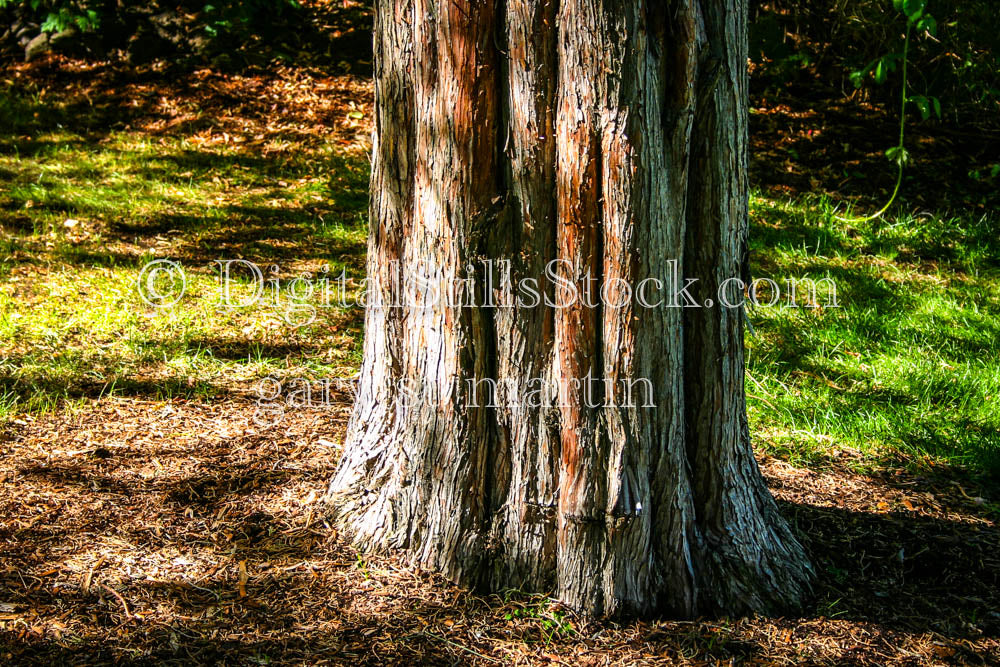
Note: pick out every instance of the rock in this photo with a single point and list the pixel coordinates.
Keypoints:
(22, 30)
(200, 43)
(169, 26)
(36, 47)
(76, 43)
(222, 61)
(64, 39)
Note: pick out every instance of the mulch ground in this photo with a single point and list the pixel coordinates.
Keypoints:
(814, 141)
(182, 532)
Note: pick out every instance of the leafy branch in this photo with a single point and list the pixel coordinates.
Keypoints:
(916, 17)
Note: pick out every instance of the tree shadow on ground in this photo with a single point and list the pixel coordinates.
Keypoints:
(267, 225)
(820, 143)
(902, 571)
(81, 385)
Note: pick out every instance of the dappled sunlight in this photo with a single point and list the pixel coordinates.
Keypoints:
(183, 524)
(83, 212)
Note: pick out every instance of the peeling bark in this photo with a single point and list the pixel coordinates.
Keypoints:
(608, 136)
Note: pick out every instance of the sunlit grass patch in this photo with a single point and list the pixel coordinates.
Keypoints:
(906, 367)
(86, 332)
(82, 214)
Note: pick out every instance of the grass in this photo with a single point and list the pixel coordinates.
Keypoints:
(82, 215)
(905, 369)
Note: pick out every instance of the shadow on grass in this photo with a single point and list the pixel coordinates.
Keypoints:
(328, 220)
(240, 349)
(809, 225)
(907, 358)
(82, 386)
(25, 112)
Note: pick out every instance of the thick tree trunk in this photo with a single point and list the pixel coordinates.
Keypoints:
(608, 137)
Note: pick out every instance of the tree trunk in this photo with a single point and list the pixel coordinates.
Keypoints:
(562, 145)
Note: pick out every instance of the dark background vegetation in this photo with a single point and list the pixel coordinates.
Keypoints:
(225, 34)
(820, 45)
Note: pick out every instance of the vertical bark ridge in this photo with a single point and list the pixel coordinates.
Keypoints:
(660, 94)
(629, 571)
(374, 426)
(494, 245)
(581, 540)
(444, 503)
(525, 532)
(432, 455)
(750, 558)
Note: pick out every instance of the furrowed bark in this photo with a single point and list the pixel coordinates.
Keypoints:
(418, 475)
(524, 534)
(597, 448)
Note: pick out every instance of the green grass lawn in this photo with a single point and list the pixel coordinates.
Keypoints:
(906, 369)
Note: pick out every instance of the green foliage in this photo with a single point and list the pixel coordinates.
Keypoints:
(238, 19)
(220, 19)
(59, 15)
(927, 105)
(899, 155)
(541, 613)
(955, 56)
(981, 175)
(67, 17)
(880, 68)
(913, 10)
